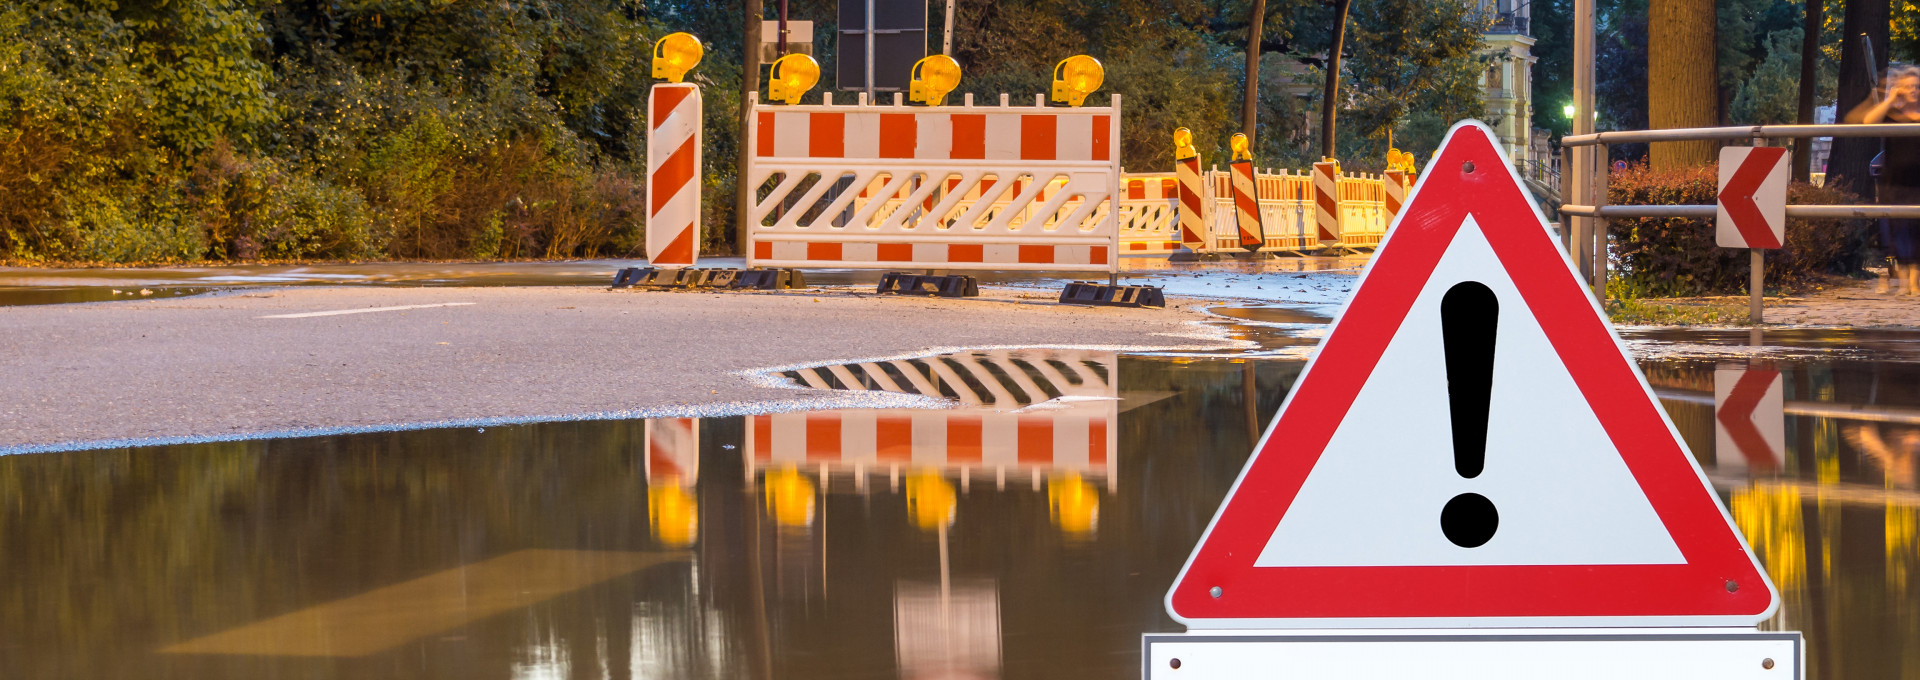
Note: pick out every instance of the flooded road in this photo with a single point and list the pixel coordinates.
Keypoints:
(1030, 532)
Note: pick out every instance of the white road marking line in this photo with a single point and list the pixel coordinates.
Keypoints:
(338, 312)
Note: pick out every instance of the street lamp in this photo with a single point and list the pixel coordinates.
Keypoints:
(1569, 110)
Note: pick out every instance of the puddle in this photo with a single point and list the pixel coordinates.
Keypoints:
(1028, 530)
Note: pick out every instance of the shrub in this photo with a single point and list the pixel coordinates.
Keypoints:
(1678, 257)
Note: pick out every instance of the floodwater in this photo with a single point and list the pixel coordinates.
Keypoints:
(1029, 532)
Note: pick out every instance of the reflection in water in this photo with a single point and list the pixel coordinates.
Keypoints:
(1029, 532)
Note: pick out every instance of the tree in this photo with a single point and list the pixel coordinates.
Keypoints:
(1412, 55)
(1248, 108)
(1868, 19)
(1330, 98)
(1681, 78)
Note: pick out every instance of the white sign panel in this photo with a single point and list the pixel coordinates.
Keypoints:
(1506, 655)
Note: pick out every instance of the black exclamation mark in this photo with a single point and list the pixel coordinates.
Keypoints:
(1469, 317)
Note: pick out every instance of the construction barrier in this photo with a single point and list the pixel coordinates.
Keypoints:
(1326, 206)
(810, 166)
(1362, 203)
(673, 175)
(1394, 194)
(1194, 200)
(1148, 214)
(1246, 207)
(1288, 214)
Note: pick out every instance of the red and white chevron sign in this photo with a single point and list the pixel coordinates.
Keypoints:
(1749, 419)
(1752, 201)
(1193, 203)
(1326, 202)
(673, 175)
(1246, 206)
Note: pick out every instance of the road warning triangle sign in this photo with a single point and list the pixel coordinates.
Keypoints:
(1471, 446)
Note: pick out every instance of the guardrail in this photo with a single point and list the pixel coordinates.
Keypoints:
(1592, 177)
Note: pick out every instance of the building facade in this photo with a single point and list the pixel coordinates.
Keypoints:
(1508, 81)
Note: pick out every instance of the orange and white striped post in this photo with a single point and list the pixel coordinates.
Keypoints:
(1193, 198)
(673, 155)
(1394, 183)
(1246, 201)
(1326, 201)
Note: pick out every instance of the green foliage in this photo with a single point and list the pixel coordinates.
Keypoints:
(1771, 95)
(1678, 257)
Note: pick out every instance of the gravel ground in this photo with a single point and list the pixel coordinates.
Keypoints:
(214, 367)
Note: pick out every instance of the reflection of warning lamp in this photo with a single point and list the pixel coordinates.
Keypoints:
(930, 500)
(1183, 145)
(933, 77)
(674, 513)
(1242, 149)
(790, 498)
(1076, 77)
(793, 76)
(1074, 505)
(675, 55)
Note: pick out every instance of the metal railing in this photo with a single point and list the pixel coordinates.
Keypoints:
(1592, 176)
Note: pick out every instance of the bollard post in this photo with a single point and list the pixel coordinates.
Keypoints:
(1757, 274)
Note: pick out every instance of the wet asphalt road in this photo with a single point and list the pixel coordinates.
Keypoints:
(223, 366)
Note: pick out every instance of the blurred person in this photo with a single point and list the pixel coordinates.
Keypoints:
(1899, 173)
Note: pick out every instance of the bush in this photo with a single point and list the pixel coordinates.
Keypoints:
(1678, 257)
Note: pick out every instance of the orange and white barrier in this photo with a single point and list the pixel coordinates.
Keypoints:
(1394, 184)
(1148, 212)
(672, 451)
(1194, 204)
(1363, 220)
(1326, 203)
(1246, 206)
(673, 175)
(1043, 180)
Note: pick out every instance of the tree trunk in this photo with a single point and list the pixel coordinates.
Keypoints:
(1809, 83)
(1330, 96)
(1249, 110)
(1681, 70)
(1847, 167)
(750, 15)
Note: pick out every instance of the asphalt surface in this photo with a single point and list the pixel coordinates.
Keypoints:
(236, 365)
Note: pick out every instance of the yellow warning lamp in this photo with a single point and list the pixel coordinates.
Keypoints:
(1400, 160)
(1242, 149)
(930, 500)
(933, 77)
(1076, 77)
(675, 515)
(1183, 145)
(675, 55)
(1073, 504)
(790, 498)
(793, 76)
(1336, 164)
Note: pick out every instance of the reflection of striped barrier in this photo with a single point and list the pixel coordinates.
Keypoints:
(673, 174)
(997, 428)
(806, 162)
(672, 450)
(1326, 205)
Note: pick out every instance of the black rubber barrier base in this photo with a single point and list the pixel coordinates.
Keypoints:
(728, 279)
(953, 285)
(1111, 295)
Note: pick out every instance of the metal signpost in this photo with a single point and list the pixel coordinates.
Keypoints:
(1475, 481)
(879, 41)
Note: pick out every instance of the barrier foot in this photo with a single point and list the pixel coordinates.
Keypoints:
(1253, 255)
(952, 285)
(1078, 293)
(721, 278)
(1185, 255)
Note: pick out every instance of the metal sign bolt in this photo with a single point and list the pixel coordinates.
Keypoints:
(1175, 663)
(1466, 167)
(1733, 586)
(1215, 592)
(1764, 663)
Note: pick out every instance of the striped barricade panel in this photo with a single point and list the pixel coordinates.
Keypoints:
(1246, 207)
(1195, 203)
(1362, 211)
(673, 175)
(1394, 186)
(1326, 203)
(952, 187)
(1147, 211)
